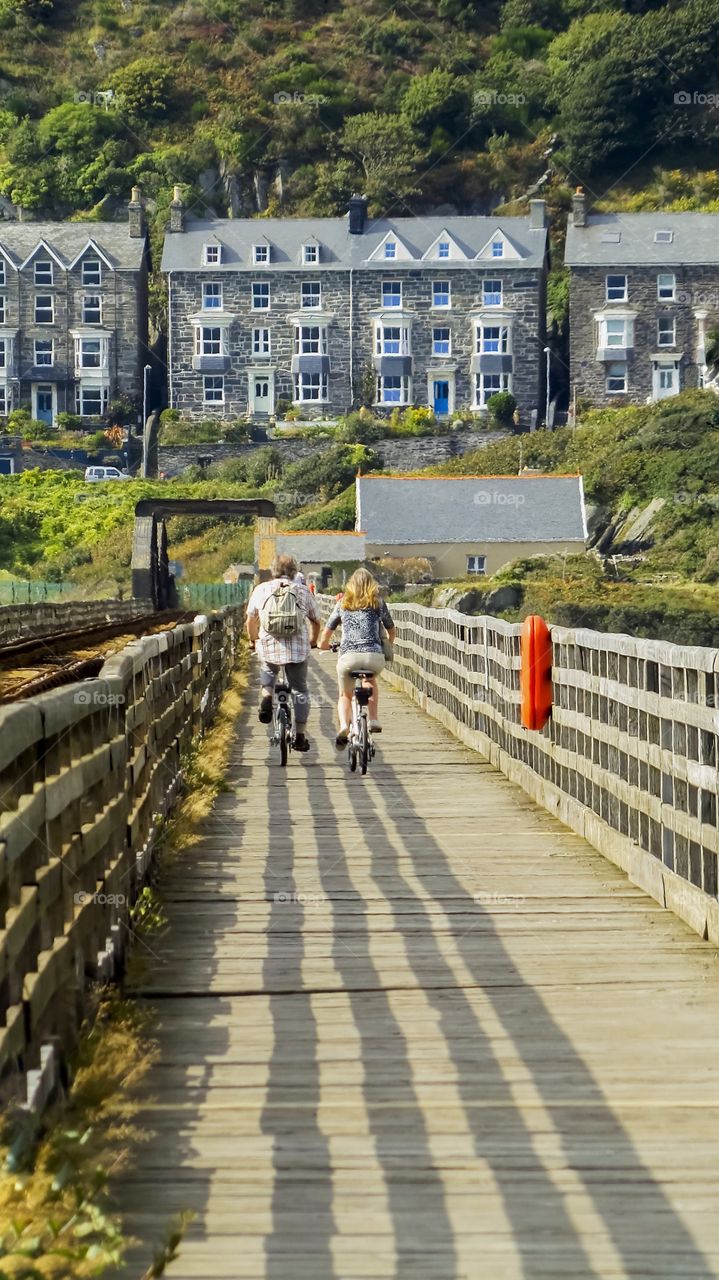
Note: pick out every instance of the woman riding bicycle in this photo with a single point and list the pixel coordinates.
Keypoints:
(362, 614)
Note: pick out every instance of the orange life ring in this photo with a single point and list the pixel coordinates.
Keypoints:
(536, 672)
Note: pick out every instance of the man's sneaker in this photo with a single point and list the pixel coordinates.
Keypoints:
(375, 726)
(341, 739)
(301, 742)
(264, 714)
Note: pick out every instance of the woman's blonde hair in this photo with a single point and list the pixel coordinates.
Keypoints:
(361, 592)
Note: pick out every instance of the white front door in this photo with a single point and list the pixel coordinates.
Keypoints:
(665, 380)
(262, 392)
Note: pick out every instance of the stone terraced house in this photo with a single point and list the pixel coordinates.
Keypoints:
(73, 314)
(643, 296)
(435, 311)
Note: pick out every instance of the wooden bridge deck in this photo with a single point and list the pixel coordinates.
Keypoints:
(412, 1027)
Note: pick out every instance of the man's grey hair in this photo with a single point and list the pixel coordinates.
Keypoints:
(284, 567)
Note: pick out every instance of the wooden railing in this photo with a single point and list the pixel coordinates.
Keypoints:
(628, 758)
(86, 774)
(36, 621)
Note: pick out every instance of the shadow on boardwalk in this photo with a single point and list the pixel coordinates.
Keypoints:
(511, 1164)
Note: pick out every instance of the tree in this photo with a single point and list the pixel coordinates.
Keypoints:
(434, 99)
(386, 147)
(145, 88)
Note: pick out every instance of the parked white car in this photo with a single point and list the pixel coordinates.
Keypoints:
(95, 474)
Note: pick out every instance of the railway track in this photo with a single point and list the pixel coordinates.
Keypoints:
(35, 665)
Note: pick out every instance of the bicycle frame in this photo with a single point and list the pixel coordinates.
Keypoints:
(283, 729)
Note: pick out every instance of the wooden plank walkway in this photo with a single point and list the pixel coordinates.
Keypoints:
(411, 1027)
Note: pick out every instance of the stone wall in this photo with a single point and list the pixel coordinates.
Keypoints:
(410, 454)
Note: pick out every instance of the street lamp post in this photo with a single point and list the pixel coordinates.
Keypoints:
(146, 371)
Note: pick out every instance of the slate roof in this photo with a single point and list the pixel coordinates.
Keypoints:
(314, 547)
(402, 511)
(339, 250)
(68, 239)
(695, 240)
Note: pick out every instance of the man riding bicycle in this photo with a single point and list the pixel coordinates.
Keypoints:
(277, 615)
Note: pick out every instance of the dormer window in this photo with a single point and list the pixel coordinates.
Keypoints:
(212, 254)
(443, 249)
(261, 253)
(390, 249)
(663, 237)
(43, 271)
(310, 254)
(91, 271)
(497, 248)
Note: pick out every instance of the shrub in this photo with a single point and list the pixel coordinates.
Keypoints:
(361, 428)
(69, 421)
(501, 408)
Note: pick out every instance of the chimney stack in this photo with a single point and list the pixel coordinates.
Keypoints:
(177, 211)
(579, 208)
(136, 214)
(357, 214)
(537, 214)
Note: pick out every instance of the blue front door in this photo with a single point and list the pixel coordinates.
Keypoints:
(44, 405)
(441, 398)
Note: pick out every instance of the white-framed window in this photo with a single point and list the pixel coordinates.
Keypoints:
(617, 378)
(5, 348)
(2, 272)
(667, 380)
(213, 387)
(43, 271)
(44, 353)
(441, 342)
(615, 331)
(663, 236)
(492, 339)
(666, 286)
(260, 253)
(92, 399)
(310, 386)
(211, 340)
(492, 293)
(392, 339)
(498, 248)
(44, 308)
(617, 290)
(91, 271)
(212, 254)
(3, 308)
(666, 331)
(92, 309)
(310, 254)
(390, 249)
(488, 385)
(311, 295)
(211, 295)
(3, 399)
(310, 340)
(443, 249)
(441, 294)
(89, 353)
(393, 389)
(391, 293)
(477, 564)
(261, 295)
(260, 342)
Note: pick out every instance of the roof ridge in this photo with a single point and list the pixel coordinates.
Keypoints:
(544, 475)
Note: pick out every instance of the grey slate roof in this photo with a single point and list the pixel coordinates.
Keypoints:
(472, 509)
(68, 239)
(695, 240)
(319, 547)
(340, 250)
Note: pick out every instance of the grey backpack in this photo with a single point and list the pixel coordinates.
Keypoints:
(281, 614)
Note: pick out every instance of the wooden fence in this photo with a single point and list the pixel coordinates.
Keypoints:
(628, 758)
(38, 621)
(86, 774)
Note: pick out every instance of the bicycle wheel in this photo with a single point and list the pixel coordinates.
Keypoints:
(363, 744)
(283, 734)
(352, 757)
